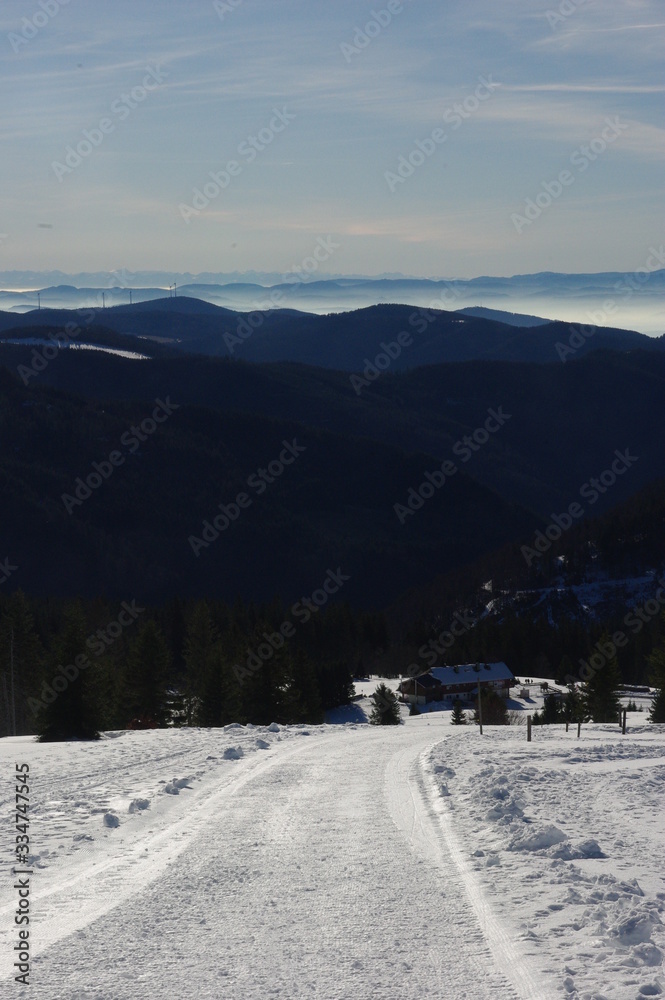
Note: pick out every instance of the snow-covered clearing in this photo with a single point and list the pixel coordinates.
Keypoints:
(342, 862)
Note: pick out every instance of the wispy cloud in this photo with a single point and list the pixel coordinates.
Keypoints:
(557, 87)
(587, 88)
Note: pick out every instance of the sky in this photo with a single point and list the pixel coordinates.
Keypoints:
(434, 138)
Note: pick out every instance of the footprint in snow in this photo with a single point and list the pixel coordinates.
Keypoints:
(138, 805)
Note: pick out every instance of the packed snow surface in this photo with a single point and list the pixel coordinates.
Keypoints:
(343, 861)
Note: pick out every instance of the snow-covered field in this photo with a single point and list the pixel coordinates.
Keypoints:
(361, 708)
(342, 861)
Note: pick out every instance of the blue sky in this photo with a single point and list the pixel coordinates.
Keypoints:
(555, 75)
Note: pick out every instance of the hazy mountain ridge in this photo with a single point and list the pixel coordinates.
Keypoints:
(635, 303)
(501, 316)
(358, 341)
(587, 410)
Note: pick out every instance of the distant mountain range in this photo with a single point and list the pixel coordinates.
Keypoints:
(509, 318)
(381, 398)
(554, 429)
(629, 300)
(366, 341)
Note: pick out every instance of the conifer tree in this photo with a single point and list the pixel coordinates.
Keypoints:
(573, 706)
(302, 702)
(261, 674)
(149, 663)
(385, 707)
(220, 701)
(458, 718)
(565, 670)
(21, 667)
(657, 710)
(201, 656)
(72, 711)
(551, 712)
(656, 663)
(495, 711)
(600, 692)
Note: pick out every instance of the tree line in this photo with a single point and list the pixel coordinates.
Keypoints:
(72, 669)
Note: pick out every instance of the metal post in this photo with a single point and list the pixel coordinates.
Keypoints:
(528, 728)
(579, 729)
(623, 727)
(480, 710)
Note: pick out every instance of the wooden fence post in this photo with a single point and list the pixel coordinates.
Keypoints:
(579, 729)
(623, 727)
(528, 728)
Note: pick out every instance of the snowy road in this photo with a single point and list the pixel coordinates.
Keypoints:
(313, 869)
(330, 862)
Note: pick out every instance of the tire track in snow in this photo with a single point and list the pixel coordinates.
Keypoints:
(424, 818)
(78, 899)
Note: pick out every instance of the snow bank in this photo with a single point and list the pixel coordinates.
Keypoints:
(570, 840)
(539, 839)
